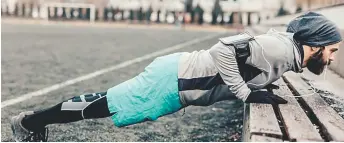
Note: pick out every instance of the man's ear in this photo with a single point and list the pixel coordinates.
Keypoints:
(316, 49)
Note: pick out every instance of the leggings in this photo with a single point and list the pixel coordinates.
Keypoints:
(88, 106)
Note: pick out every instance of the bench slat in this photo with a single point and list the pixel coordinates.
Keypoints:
(298, 125)
(263, 120)
(327, 116)
(246, 127)
(258, 138)
(260, 119)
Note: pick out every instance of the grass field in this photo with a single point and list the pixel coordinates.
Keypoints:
(38, 56)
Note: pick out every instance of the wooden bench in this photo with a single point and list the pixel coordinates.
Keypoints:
(307, 118)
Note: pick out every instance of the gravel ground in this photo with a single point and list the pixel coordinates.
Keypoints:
(36, 56)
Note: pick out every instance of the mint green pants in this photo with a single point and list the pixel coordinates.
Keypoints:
(148, 96)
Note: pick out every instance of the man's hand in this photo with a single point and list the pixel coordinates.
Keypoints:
(265, 97)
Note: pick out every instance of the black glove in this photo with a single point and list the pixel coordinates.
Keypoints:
(271, 86)
(265, 98)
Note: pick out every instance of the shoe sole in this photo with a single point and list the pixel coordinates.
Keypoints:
(13, 129)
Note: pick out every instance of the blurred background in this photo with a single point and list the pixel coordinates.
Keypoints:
(214, 12)
(48, 47)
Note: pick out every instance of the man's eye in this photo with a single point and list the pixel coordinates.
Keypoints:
(334, 50)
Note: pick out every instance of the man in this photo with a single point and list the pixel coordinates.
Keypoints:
(237, 67)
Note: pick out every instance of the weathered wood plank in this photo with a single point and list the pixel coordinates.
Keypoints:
(327, 116)
(263, 120)
(260, 138)
(246, 128)
(260, 119)
(297, 123)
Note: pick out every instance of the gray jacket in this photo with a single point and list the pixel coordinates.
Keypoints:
(208, 76)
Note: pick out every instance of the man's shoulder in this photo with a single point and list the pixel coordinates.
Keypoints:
(244, 37)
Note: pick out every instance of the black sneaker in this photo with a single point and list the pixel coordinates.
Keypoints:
(21, 134)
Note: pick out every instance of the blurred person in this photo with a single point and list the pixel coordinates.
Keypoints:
(237, 67)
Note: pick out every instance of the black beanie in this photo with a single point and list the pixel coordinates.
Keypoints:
(314, 29)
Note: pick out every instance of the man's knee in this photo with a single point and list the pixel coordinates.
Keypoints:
(90, 105)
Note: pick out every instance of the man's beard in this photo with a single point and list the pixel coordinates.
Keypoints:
(316, 64)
